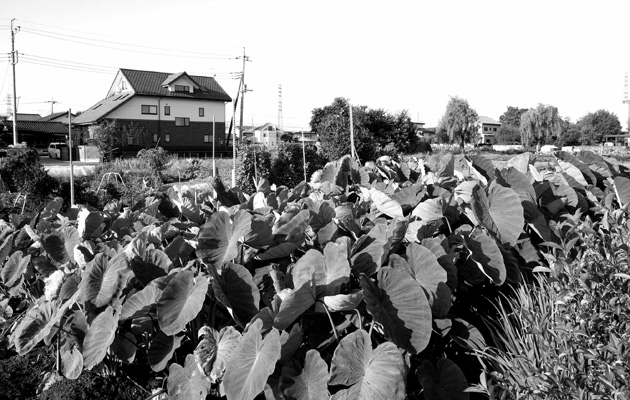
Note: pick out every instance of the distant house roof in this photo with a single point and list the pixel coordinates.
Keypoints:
(37, 126)
(28, 117)
(488, 121)
(53, 116)
(102, 108)
(150, 83)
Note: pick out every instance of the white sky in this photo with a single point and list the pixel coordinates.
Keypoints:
(390, 54)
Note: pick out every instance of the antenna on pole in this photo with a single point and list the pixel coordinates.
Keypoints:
(14, 61)
(52, 102)
(280, 107)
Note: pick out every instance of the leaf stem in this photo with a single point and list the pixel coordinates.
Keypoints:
(332, 324)
(371, 328)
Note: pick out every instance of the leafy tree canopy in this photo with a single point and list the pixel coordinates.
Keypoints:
(508, 134)
(541, 124)
(460, 121)
(593, 126)
(512, 116)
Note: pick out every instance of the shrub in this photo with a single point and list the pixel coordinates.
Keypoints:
(287, 167)
(253, 163)
(156, 159)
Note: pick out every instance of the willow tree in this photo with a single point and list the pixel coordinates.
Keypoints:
(540, 124)
(460, 121)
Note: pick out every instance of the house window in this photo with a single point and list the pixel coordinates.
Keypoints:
(206, 138)
(182, 88)
(167, 110)
(485, 129)
(155, 138)
(201, 111)
(149, 109)
(129, 140)
(167, 138)
(180, 121)
(494, 129)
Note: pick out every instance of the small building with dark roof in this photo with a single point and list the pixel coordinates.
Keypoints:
(172, 110)
(37, 134)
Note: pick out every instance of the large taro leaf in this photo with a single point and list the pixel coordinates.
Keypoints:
(99, 336)
(14, 269)
(141, 301)
(280, 251)
(446, 381)
(399, 304)
(484, 166)
(34, 326)
(60, 243)
(293, 229)
(219, 237)
(410, 196)
(312, 383)
(161, 350)
(430, 209)
(329, 270)
(377, 374)
(321, 215)
(385, 204)
(371, 250)
(124, 346)
(187, 382)
(294, 305)
(213, 352)
(71, 361)
(236, 290)
(251, 362)
(500, 211)
(181, 301)
(485, 257)
(519, 182)
(89, 223)
(521, 162)
(260, 234)
(103, 280)
(622, 188)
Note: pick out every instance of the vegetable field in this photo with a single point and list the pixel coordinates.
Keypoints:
(426, 279)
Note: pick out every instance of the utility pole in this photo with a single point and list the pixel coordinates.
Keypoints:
(244, 90)
(13, 62)
(626, 100)
(52, 105)
(280, 121)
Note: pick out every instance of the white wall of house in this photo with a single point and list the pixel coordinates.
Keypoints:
(183, 81)
(120, 85)
(186, 108)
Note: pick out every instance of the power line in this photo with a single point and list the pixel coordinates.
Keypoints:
(169, 52)
(34, 62)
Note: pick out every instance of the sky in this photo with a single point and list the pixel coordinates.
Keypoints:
(393, 55)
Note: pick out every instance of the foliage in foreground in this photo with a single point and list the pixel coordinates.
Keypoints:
(368, 282)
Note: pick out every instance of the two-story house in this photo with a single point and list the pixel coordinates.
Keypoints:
(174, 111)
(488, 130)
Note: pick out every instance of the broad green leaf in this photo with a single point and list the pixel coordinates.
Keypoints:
(484, 166)
(219, 237)
(103, 280)
(71, 361)
(34, 326)
(385, 204)
(280, 251)
(161, 350)
(293, 230)
(236, 290)
(124, 346)
(294, 305)
(521, 162)
(89, 223)
(321, 216)
(500, 211)
(622, 187)
(485, 256)
(399, 304)
(425, 267)
(145, 298)
(430, 210)
(99, 336)
(344, 302)
(14, 268)
(519, 182)
(60, 244)
(377, 374)
(409, 197)
(371, 250)
(312, 383)
(444, 382)
(187, 383)
(330, 270)
(181, 301)
(226, 341)
(251, 363)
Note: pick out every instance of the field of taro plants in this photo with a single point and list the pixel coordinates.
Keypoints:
(437, 278)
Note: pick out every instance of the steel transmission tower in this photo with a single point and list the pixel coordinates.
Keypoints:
(280, 106)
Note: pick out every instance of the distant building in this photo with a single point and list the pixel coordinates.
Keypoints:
(57, 117)
(25, 117)
(34, 133)
(175, 111)
(267, 135)
(488, 130)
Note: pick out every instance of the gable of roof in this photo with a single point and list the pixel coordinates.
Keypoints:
(37, 126)
(101, 109)
(488, 121)
(53, 116)
(151, 83)
(173, 77)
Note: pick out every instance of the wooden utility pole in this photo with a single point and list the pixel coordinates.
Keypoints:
(13, 62)
(70, 155)
(243, 91)
(214, 141)
(626, 100)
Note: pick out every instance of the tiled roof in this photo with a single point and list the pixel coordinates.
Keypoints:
(101, 109)
(37, 126)
(487, 120)
(150, 83)
(53, 116)
(28, 117)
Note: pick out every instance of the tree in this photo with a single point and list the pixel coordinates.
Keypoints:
(593, 126)
(512, 116)
(109, 136)
(540, 125)
(508, 134)
(460, 121)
